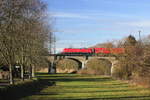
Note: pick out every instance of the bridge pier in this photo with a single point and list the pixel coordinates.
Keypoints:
(114, 64)
(83, 65)
(52, 67)
(84, 62)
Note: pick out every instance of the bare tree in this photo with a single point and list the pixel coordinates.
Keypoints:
(23, 33)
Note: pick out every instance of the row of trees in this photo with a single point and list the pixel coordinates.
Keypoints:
(24, 34)
(134, 64)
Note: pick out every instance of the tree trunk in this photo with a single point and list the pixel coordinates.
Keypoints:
(49, 67)
(10, 74)
(30, 72)
(22, 73)
(33, 71)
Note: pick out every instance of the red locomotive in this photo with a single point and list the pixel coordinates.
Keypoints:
(94, 50)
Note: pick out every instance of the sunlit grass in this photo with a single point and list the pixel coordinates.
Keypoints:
(88, 87)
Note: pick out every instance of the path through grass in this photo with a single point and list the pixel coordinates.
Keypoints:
(86, 87)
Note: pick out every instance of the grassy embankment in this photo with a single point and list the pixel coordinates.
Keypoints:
(88, 87)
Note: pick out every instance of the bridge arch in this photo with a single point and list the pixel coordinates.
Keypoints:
(78, 61)
(113, 60)
(99, 65)
(67, 67)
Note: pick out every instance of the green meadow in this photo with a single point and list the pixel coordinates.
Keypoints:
(87, 87)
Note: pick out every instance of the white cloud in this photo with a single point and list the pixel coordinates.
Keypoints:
(137, 23)
(93, 15)
(70, 15)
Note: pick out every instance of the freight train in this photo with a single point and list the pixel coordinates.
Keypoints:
(93, 50)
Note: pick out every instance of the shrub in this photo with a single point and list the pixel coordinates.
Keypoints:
(141, 73)
(142, 76)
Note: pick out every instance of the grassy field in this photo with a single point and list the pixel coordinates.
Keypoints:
(86, 87)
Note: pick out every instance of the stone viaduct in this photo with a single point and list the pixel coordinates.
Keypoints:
(81, 59)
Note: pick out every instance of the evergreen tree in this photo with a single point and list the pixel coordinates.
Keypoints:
(130, 41)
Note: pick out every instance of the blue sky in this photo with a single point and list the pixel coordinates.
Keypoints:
(83, 23)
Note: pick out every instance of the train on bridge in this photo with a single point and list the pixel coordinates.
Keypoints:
(93, 51)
